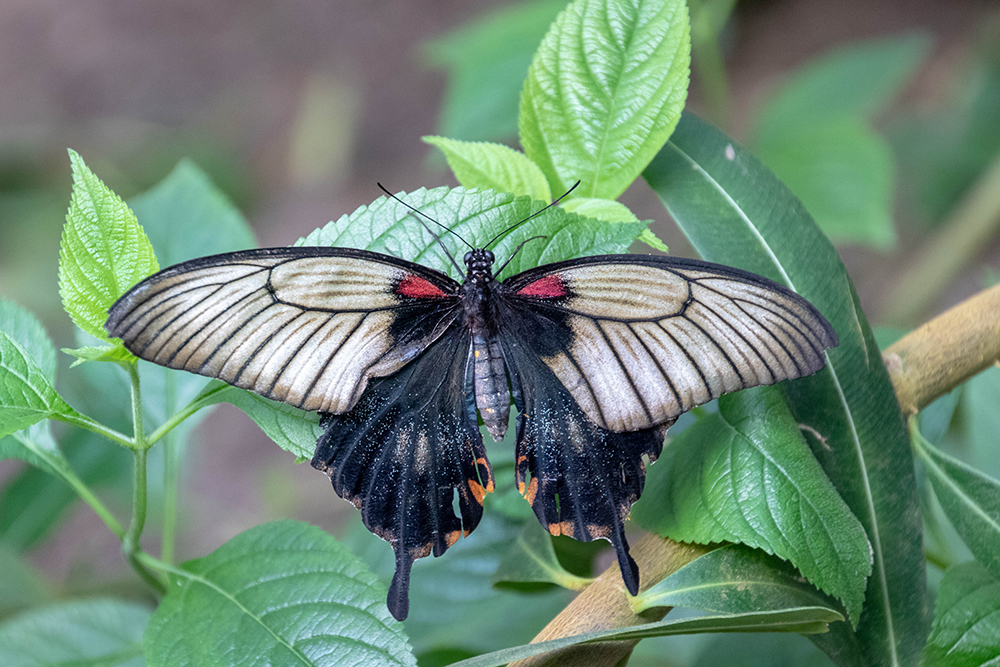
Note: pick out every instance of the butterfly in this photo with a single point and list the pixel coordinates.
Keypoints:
(599, 356)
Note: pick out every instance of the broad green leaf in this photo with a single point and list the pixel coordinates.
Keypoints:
(186, 216)
(844, 174)
(531, 558)
(293, 430)
(734, 579)
(736, 212)
(604, 91)
(25, 329)
(966, 629)
(747, 475)
(26, 395)
(855, 80)
(612, 211)
(495, 166)
(23, 585)
(477, 216)
(97, 632)
(103, 251)
(970, 499)
(487, 60)
(805, 620)
(283, 593)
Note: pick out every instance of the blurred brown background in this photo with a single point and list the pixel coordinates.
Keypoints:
(296, 109)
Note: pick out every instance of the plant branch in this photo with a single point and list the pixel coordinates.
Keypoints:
(941, 354)
(605, 604)
(974, 221)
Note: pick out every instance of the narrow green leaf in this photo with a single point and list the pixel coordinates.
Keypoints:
(855, 80)
(293, 430)
(533, 559)
(970, 499)
(612, 211)
(604, 91)
(495, 166)
(966, 629)
(486, 62)
(283, 593)
(103, 251)
(94, 632)
(747, 475)
(98, 353)
(734, 579)
(736, 212)
(26, 395)
(844, 174)
(804, 620)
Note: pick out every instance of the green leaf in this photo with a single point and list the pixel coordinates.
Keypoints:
(293, 430)
(26, 395)
(804, 620)
(98, 353)
(23, 585)
(844, 174)
(970, 499)
(486, 62)
(388, 227)
(734, 579)
(283, 593)
(966, 629)
(980, 421)
(494, 166)
(186, 216)
(604, 91)
(612, 211)
(856, 80)
(103, 251)
(93, 632)
(747, 475)
(25, 329)
(533, 559)
(735, 212)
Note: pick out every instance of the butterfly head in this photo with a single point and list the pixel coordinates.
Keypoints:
(478, 264)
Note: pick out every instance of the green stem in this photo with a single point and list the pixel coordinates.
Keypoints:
(194, 406)
(171, 475)
(85, 422)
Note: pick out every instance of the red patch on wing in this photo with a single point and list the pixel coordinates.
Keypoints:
(419, 288)
(549, 287)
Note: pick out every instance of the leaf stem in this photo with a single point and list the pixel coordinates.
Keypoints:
(201, 401)
(85, 422)
(171, 475)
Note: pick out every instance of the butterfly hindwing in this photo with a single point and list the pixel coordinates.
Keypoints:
(404, 452)
(306, 326)
(648, 338)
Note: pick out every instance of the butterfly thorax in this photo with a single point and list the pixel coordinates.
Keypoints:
(489, 371)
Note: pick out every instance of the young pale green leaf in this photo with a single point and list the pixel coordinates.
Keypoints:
(804, 620)
(495, 166)
(612, 211)
(477, 216)
(844, 174)
(486, 62)
(293, 430)
(186, 216)
(94, 632)
(857, 80)
(966, 630)
(26, 395)
(283, 593)
(532, 559)
(970, 499)
(747, 475)
(119, 355)
(734, 579)
(604, 91)
(103, 251)
(736, 212)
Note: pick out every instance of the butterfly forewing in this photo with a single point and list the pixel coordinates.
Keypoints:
(307, 326)
(651, 337)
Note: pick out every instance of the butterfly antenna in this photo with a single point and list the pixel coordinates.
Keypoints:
(516, 250)
(536, 213)
(436, 237)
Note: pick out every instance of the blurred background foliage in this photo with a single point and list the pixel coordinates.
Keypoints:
(883, 117)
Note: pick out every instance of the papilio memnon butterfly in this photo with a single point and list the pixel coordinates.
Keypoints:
(600, 355)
